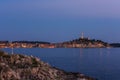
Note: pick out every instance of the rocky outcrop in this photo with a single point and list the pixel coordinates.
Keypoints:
(22, 67)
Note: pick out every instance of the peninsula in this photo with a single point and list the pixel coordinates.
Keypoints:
(22, 67)
(76, 43)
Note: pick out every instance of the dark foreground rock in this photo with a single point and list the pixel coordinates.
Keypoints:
(21, 67)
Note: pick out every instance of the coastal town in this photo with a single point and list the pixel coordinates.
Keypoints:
(81, 42)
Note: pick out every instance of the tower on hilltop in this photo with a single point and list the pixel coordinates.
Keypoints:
(82, 35)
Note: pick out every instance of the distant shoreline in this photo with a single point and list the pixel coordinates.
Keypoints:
(76, 43)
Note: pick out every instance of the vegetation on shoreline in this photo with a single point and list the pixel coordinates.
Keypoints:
(85, 43)
(115, 45)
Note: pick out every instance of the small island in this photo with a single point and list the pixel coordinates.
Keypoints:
(22, 67)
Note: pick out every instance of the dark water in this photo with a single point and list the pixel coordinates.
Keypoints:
(103, 64)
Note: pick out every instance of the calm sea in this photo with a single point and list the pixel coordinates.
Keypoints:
(101, 63)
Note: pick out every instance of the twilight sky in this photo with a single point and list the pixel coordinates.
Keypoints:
(59, 20)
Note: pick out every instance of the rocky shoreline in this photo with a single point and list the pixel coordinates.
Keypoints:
(22, 67)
